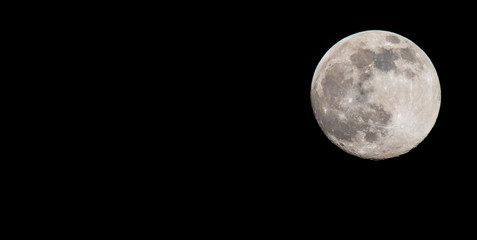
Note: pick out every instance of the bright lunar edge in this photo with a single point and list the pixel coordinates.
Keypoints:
(375, 95)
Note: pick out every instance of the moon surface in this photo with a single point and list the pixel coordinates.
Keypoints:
(376, 95)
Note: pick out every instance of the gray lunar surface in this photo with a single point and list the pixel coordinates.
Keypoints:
(375, 94)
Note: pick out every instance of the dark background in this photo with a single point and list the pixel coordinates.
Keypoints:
(241, 148)
(266, 134)
(266, 70)
(254, 148)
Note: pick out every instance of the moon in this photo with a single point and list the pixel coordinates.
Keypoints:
(375, 94)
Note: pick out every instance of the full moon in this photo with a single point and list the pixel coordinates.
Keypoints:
(375, 95)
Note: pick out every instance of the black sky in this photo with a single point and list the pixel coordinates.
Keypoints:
(259, 140)
(263, 69)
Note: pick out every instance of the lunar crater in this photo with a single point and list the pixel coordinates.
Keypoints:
(409, 74)
(392, 39)
(407, 54)
(364, 76)
(345, 121)
(371, 137)
(362, 58)
(384, 61)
